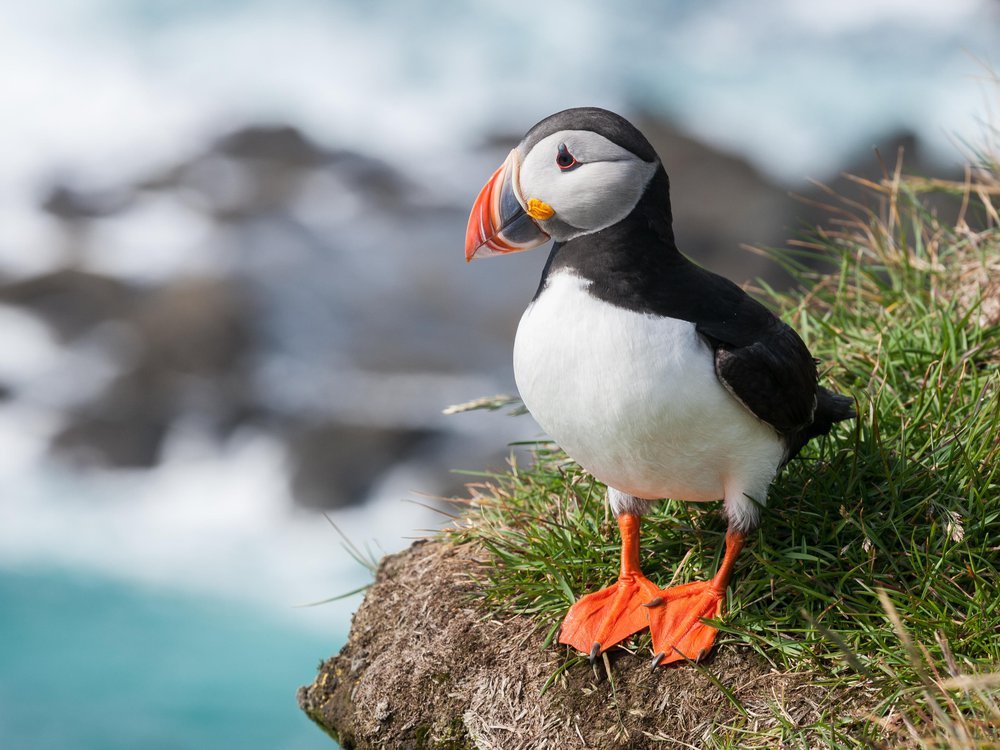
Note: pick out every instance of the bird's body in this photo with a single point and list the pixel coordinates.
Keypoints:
(659, 377)
(633, 397)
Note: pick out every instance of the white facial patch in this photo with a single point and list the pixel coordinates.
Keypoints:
(600, 190)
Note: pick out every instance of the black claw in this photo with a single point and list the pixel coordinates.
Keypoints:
(657, 659)
(595, 651)
(654, 602)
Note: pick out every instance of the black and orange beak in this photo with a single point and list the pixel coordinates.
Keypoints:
(499, 222)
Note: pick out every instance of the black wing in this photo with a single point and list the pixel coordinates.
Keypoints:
(767, 367)
(774, 375)
(758, 358)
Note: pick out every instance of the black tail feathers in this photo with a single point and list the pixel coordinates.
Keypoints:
(830, 408)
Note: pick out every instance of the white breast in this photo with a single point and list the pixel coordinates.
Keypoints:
(634, 399)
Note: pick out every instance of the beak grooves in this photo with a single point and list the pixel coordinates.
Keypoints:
(498, 222)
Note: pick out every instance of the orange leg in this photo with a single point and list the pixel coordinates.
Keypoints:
(675, 622)
(600, 620)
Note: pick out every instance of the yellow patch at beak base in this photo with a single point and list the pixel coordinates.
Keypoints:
(540, 210)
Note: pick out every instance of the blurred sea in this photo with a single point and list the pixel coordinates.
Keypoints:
(97, 664)
(155, 606)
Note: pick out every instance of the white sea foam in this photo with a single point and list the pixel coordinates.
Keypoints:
(110, 90)
(211, 520)
(27, 347)
(158, 239)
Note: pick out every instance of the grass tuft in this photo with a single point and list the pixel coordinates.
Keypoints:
(876, 561)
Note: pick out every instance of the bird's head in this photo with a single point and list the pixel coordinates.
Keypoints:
(574, 173)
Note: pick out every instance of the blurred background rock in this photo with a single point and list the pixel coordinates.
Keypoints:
(232, 292)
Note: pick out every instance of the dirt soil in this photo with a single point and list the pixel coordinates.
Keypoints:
(426, 666)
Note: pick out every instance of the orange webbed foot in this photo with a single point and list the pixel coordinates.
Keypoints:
(676, 624)
(600, 620)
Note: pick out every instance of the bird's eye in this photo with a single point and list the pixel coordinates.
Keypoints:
(564, 159)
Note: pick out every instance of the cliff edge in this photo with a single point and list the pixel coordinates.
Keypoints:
(426, 666)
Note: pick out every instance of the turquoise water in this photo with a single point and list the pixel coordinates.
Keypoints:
(93, 664)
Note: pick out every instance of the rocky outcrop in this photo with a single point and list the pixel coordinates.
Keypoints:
(427, 666)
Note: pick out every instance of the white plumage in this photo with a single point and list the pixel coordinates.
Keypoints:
(635, 400)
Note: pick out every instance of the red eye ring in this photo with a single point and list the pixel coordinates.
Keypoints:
(564, 159)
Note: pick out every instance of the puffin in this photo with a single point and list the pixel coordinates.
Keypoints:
(660, 378)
